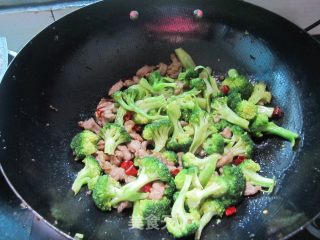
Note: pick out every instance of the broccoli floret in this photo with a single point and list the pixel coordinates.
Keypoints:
(249, 169)
(170, 156)
(265, 110)
(182, 223)
(201, 102)
(260, 94)
(126, 99)
(184, 58)
(156, 84)
(233, 99)
(207, 84)
(240, 145)
(150, 169)
(113, 135)
(207, 165)
(246, 110)
(200, 122)
(222, 109)
(158, 132)
(262, 125)
(214, 144)
(230, 184)
(209, 209)
(84, 144)
(87, 175)
(104, 191)
(186, 114)
(180, 140)
(139, 91)
(187, 75)
(119, 117)
(238, 83)
(190, 160)
(144, 209)
(180, 178)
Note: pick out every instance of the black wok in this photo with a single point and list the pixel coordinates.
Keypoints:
(71, 64)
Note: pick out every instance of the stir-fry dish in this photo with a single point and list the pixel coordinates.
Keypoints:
(175, 143)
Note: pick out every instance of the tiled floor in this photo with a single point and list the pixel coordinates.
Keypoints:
(20, 27)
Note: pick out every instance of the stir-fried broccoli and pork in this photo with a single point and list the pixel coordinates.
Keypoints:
(175, 143)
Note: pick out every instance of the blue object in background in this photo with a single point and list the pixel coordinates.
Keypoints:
(3, 57)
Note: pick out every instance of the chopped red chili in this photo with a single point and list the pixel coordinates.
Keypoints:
(146, 188)
(239, 160)
(277, 112)
(175, 171)
(230, 211)
(128, 116)
(126, 164)
(137, 128)
(132, 171)
(225, 89)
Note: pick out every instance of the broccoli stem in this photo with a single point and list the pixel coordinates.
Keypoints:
(204, 220)
(265, 110)
(195, 196)
(257, 179)
(131, 191)
(208, 171)
(119, 117)
(161, 139)
(185, 58)
(80, 181)
(178, 210)
(274, 129)
(199, 137)
(227, 114)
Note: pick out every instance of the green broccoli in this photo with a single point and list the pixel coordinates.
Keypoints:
(119, 117)
(184, 58)
(190, 160)
(265, 110)
(233, 99)
(113, 135)
(84, 144)
(144, 209)
(150, 169)
(230, 184)
(87, 175)
(260, 94)
(182, 223)
(207, 84)
(249, 169)
(104, 191)
(180, 140)
(240, 145)
(156, 84)
(170, 156)
(262, 125)
(246, 110)
(238, 83)
(187, 75)
(126, 99)
(214, 144)
(221, 108)
(181, 176)
(158, 132)
(209, 209)
(200, 122)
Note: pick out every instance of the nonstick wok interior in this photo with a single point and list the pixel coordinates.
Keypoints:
(72, 63)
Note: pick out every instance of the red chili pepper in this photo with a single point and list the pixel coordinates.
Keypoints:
(239, 160)
(137, 128)
(277, 112)
(146, 188)
(132, 171)
(230, 211)
(128, 116)
(175, 171)
(126, 164)
(225, 89)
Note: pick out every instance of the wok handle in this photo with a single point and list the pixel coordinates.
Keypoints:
(312, 26)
